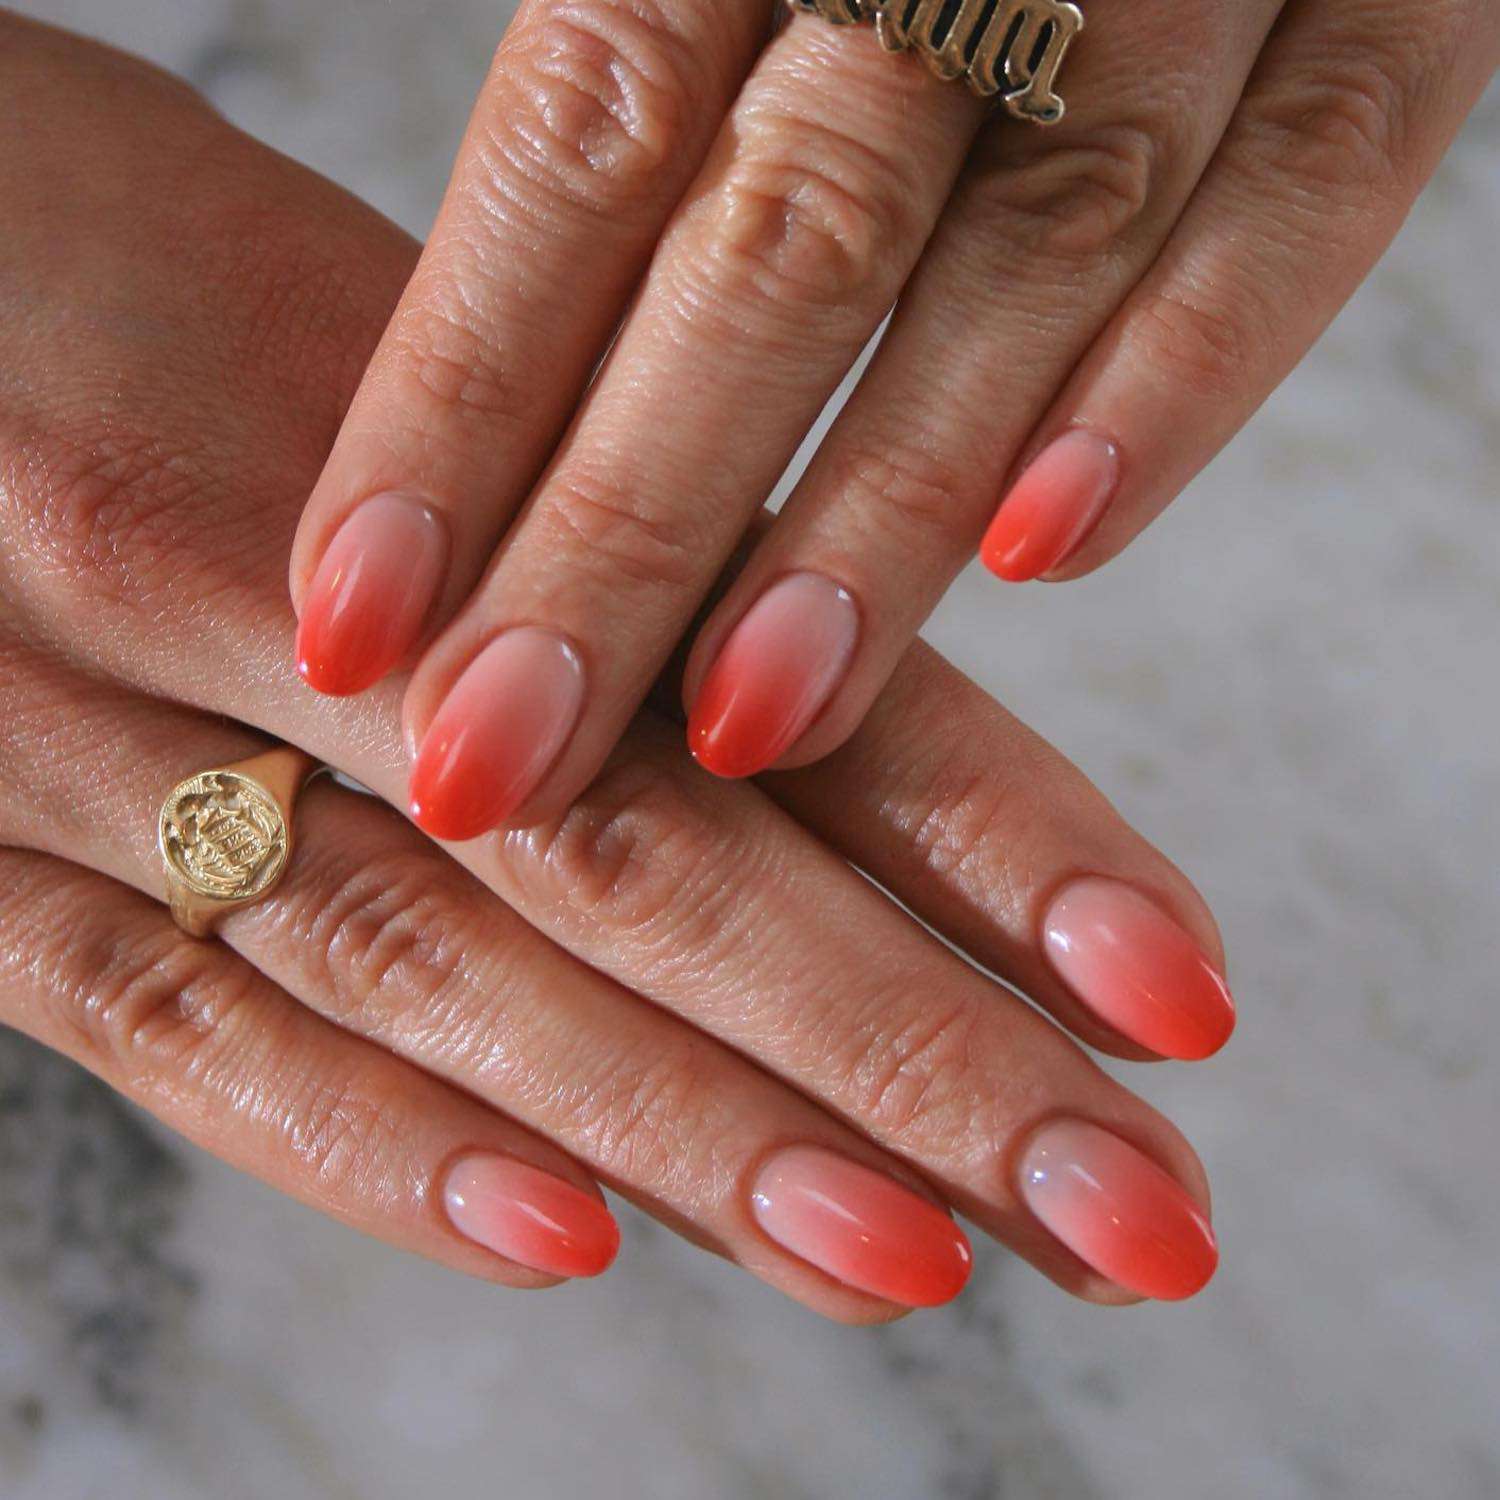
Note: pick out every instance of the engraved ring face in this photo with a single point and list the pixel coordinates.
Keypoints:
(223, 836)
(1013, 49)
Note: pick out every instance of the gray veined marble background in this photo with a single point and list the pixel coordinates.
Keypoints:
(1291, 686)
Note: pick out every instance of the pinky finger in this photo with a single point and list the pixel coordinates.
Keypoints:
(1349, 112)
(214, 1049)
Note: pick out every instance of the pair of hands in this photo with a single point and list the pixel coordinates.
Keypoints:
(680, 987)
(1083, 316)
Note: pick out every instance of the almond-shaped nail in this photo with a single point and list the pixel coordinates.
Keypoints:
(371, 595)
(1053, 506)
(530, 1216)
(1136, 969)
(1118, 1211)
(861, 1227)
(774, 675)
(497, 733)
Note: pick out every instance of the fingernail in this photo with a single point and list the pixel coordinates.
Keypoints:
(774, 675)
(1053, 506)
(530, 1216)
(1136, 969)
(1115, 1208)
(861, 1227)
(497, 733)
(372, 594)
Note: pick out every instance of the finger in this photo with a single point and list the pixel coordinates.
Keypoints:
(204, 509)
(380, 932)
(1046, 233)
(589, 128)
(789, 249)
(696, 895)
(1351, 107)
(997, 842)
(214, 1049)
(763, 938)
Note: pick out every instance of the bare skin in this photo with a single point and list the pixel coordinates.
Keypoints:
(732, 214)
(658, 990)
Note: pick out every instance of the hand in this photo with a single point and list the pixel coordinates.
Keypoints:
(1096, 307)
(744, 1036)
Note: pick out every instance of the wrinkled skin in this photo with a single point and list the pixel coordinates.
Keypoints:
(653, 990)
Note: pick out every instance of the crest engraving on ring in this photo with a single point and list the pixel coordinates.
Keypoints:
(223, 835)
(1013, 48)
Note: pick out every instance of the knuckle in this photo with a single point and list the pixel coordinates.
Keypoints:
(154, 1006)
(634, 854)
(921, 1080)
(907, 491)
(968, 828)
(456, 363)
(605, 526)
(595, 106)
(810, 225)
(644, 1122)
(1192, 335)
(1077, 200)
(1338, 129)
(342, 1136)
(391, 940)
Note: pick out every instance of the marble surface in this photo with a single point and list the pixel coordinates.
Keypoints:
(1291, 687)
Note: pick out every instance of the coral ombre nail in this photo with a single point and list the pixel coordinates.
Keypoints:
(861, 1227)
(1053, 506)
(1114, 1208)
(496, 734)
(530, 1216)
(1136, 969)
(774, 675)
(372, 594)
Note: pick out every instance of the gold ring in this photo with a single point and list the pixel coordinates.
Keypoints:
(1013, 48)
(225, 835)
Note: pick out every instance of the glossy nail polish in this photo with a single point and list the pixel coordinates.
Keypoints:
(372, 594)
(861, 1227)
(530, 1216)
(1136, 969)
(1114, 1208)
(774, 675)
(496, 734)
(1053, 506)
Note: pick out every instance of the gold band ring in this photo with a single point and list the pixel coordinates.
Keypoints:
(225, 835)
(1010, 48)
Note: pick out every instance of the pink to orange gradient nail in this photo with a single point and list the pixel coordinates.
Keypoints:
(861, 1227)
(371, 595)
(530, 1216)
(497, 734)
(1136, 969)
(1118, 1211)
(775, 674)
(1053, 507)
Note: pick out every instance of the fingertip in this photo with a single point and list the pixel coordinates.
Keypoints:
(775, 676)
(1053, 507)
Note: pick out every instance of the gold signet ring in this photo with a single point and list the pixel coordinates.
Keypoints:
(225, 835)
